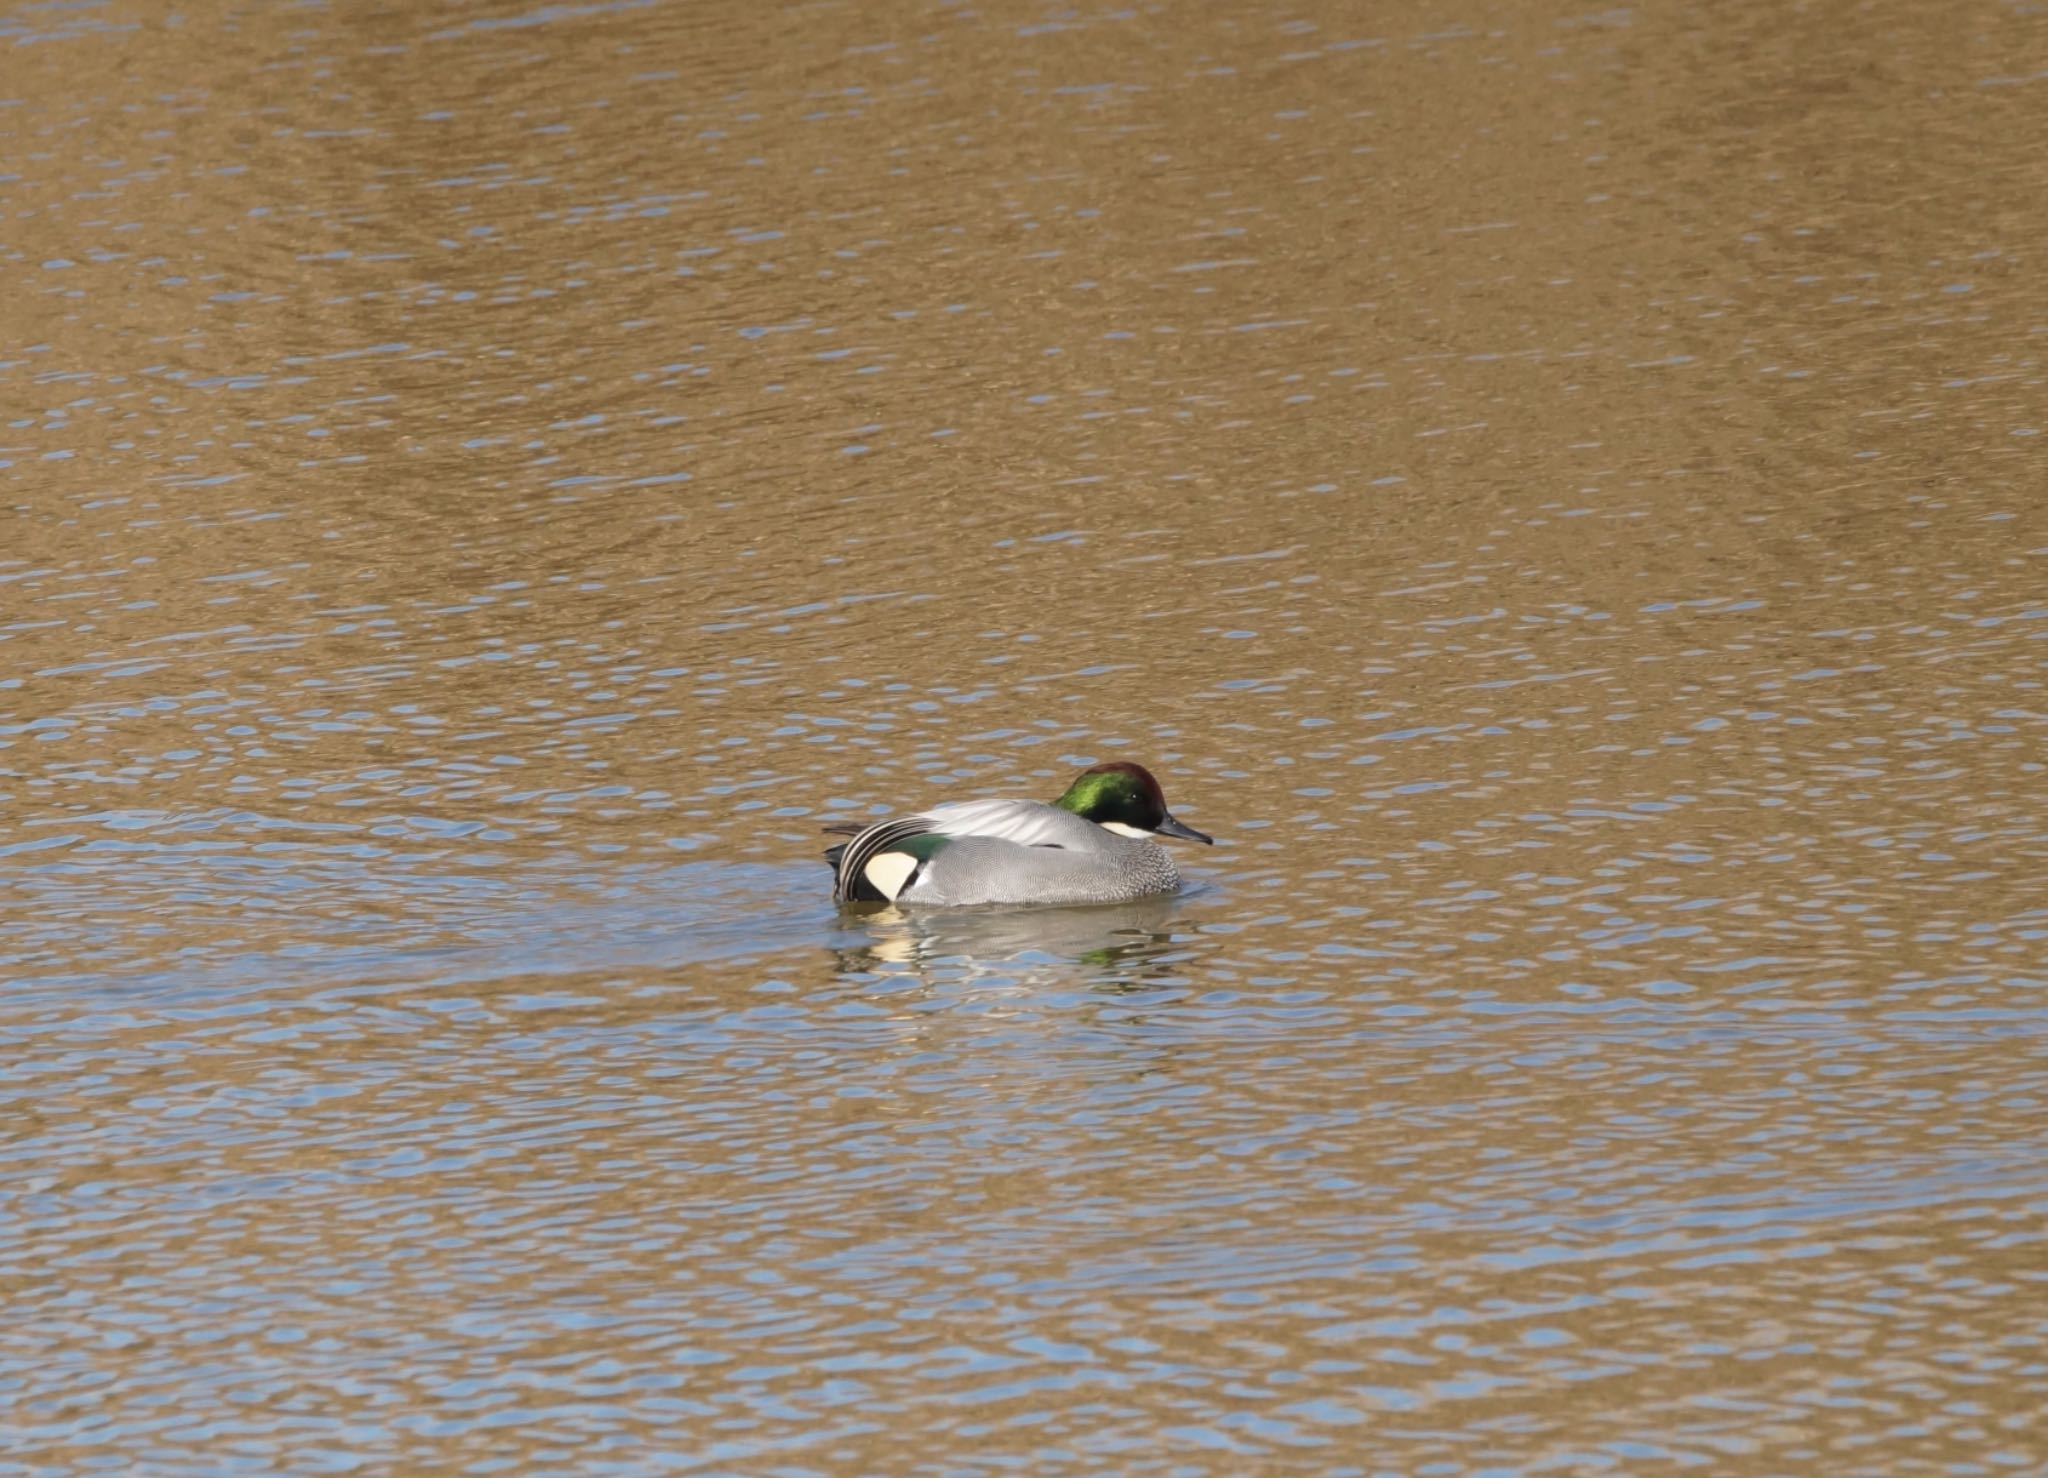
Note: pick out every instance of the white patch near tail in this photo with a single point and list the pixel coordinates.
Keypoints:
(1126, 831)
(889, 871)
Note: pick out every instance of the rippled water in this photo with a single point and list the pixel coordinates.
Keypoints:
(1558, 493)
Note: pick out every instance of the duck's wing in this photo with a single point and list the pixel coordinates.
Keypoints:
(885, 858)
(1026, 823)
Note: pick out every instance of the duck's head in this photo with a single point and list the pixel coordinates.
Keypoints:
(1124, 798)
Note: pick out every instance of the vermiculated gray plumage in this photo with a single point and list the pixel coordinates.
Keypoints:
(1005, 851)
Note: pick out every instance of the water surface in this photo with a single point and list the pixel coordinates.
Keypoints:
(1556, 492)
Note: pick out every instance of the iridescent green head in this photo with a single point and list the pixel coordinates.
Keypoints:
(1124, 798)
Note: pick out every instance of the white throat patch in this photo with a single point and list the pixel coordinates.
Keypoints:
(1126, 831)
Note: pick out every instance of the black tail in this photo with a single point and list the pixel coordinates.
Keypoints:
(855, 889)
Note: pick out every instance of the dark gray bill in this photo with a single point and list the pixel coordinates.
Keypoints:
(1172, 828)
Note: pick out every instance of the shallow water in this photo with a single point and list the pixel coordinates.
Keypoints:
(1557, 493)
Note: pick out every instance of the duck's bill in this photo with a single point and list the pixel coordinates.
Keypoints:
(1172, 828)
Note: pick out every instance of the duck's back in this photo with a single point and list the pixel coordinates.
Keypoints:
(1019, 823)
(1006, 851)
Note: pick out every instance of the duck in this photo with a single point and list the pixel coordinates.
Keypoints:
(1092, 845)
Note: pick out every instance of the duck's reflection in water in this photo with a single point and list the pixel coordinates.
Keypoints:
(1121, 946)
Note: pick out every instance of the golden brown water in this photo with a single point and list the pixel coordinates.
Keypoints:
(1558, 492)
